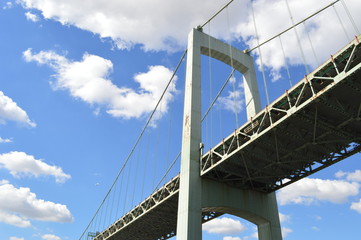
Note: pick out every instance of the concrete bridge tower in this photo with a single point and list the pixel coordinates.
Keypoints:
(198, 194)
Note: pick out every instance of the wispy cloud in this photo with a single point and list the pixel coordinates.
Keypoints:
(16, 238)
(8, 5)
(31, 17)
(286, 231)
(5, 140)
(50, 237)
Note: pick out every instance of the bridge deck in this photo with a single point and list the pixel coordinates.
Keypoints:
(154, 218)
(313, 125)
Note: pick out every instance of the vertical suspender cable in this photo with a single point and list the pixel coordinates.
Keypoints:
(350, 17)
(298, 40)
(126, 187)
(136, 143)
(343, 26)
(96, 225)
(91, 228)
(260, 54)
(285, 59)
(120, 194)
(113, 199)
(169, 132)
(210, 83)
(157, 150)
(106, 214)
(220, 125)
(136, 177)
(233, 78)
(313, 49)
(100, 218)
(293, 26)
(145, 164)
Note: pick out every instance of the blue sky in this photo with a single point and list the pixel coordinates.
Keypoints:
(78, 82)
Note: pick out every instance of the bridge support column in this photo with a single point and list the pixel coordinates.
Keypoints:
(256, 207)
(197, 194)
(189, 220)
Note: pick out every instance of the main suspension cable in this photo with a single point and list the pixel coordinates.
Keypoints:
(218, 94)
(225, 6)
(294, 25)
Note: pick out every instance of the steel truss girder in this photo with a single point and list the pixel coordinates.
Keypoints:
(317, 110)
(156, 217)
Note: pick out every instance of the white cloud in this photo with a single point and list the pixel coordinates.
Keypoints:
(224, 225)
(156, 25)
(3, 181)
(315, 228)
(356, 206)
(10, 111)
(164, 25)
(233, 102)
(31, 17)
(309, 190)
(231, 238)
(88, 80)
(353, 176)
(50, 237)
(5, 140)
(318, 28)
(8, 5)
(284, 218)
(254, 235)
(13, 219)
(22, 203)
(16, 238)
(285, 231)
(19, 163)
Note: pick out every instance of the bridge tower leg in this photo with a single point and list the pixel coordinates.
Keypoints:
(197, 195)
(256, 207)
(189, 222)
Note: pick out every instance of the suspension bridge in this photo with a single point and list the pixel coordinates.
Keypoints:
(314, 124)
